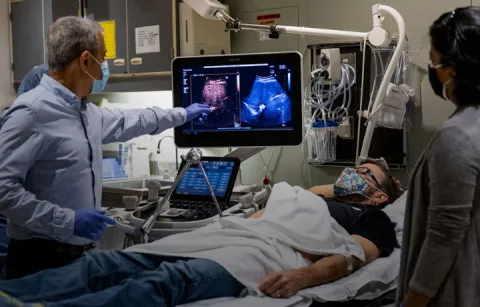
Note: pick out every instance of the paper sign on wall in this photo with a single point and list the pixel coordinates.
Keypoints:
(264, 36)
(147, 39)
(110, 38)
(267, 20)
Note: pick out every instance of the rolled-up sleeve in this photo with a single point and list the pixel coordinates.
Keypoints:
(124, 125)
(21, 143)
(454, 170)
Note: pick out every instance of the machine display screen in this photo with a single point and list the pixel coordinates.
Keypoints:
(241, 96)
(256, 100)
(219, 174)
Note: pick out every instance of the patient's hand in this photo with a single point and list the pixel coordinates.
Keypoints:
(283, 284)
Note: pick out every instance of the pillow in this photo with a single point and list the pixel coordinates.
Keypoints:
(396, 212)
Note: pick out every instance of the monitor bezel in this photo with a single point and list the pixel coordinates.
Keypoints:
(242, 138)
(208, 198)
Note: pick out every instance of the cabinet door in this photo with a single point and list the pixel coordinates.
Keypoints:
(27, 37)
(54, 9)
(62, 8)
(112, 11)
(147, 18)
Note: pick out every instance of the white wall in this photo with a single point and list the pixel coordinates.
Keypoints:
(7, 94)
(355, 15)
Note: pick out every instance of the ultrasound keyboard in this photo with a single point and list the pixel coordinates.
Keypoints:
(197, 210)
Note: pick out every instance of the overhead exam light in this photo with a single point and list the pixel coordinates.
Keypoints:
(209, 9)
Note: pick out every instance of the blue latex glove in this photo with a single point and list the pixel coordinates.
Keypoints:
(90, 224)
(196, 110)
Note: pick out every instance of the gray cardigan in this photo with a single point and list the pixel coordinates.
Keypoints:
(441, 243)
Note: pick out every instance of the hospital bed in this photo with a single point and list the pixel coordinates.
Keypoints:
(372, 286)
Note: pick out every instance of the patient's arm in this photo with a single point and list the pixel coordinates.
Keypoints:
(257, 215)
(325, 270)
(325, 190)
(335, 267)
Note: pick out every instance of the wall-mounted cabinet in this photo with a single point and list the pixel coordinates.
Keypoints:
(112, 14)
(150, 35)
(141, 35)
(30, 20)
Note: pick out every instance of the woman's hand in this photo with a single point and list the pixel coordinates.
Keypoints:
(283, 284)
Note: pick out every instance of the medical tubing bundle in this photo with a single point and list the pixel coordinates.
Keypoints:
(321, 101)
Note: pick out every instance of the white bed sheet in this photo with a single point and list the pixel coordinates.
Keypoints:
(368, 283)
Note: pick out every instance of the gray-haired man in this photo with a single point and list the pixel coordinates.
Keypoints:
(51, 151)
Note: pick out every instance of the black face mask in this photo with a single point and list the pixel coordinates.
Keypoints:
(437, 86)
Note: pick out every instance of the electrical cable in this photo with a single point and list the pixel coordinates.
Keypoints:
(267, 167)
(381, 62)
(374, 86)
(360, 115)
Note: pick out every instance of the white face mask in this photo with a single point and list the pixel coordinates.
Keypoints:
(444, 91)
(437, 86)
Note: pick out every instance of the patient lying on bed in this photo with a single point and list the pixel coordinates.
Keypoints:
(111, 278)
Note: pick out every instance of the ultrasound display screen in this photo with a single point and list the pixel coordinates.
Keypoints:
(242, 97)
(219, 174)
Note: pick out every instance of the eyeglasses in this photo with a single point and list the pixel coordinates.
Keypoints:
(368, 172)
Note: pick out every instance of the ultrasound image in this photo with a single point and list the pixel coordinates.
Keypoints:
(215, 93)
(268, 105)
(221, 94)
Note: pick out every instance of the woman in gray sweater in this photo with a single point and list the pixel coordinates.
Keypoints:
(440, 264)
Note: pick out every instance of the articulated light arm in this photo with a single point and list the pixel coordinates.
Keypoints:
(379, 37)
(301, 31)
(378, 11)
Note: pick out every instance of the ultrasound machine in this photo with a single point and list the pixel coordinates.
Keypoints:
(256, 102)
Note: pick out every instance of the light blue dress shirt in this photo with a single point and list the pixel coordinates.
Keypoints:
(51, 157)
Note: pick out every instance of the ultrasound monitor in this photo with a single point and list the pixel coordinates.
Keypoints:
(256, 99)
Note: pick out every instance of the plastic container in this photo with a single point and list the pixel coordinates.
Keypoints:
(322, 142)
(111, 170)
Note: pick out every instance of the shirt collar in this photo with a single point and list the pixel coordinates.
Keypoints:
(61, 91)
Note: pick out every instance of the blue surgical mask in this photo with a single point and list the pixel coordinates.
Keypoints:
(351, 183)
(99, 85)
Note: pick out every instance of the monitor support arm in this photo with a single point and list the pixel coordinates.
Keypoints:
(243, 154)
(379, 37)
(193, 157)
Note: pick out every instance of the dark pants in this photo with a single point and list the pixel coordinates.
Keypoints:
(27, 257)
(116, 279)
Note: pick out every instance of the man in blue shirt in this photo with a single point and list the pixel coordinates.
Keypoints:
(31, 81)
(51, 151)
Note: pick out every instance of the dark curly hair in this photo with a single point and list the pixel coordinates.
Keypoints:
(456, 36)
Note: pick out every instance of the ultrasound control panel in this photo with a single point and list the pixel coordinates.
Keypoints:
(187, 211)
(219, 174)
(192, 201)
